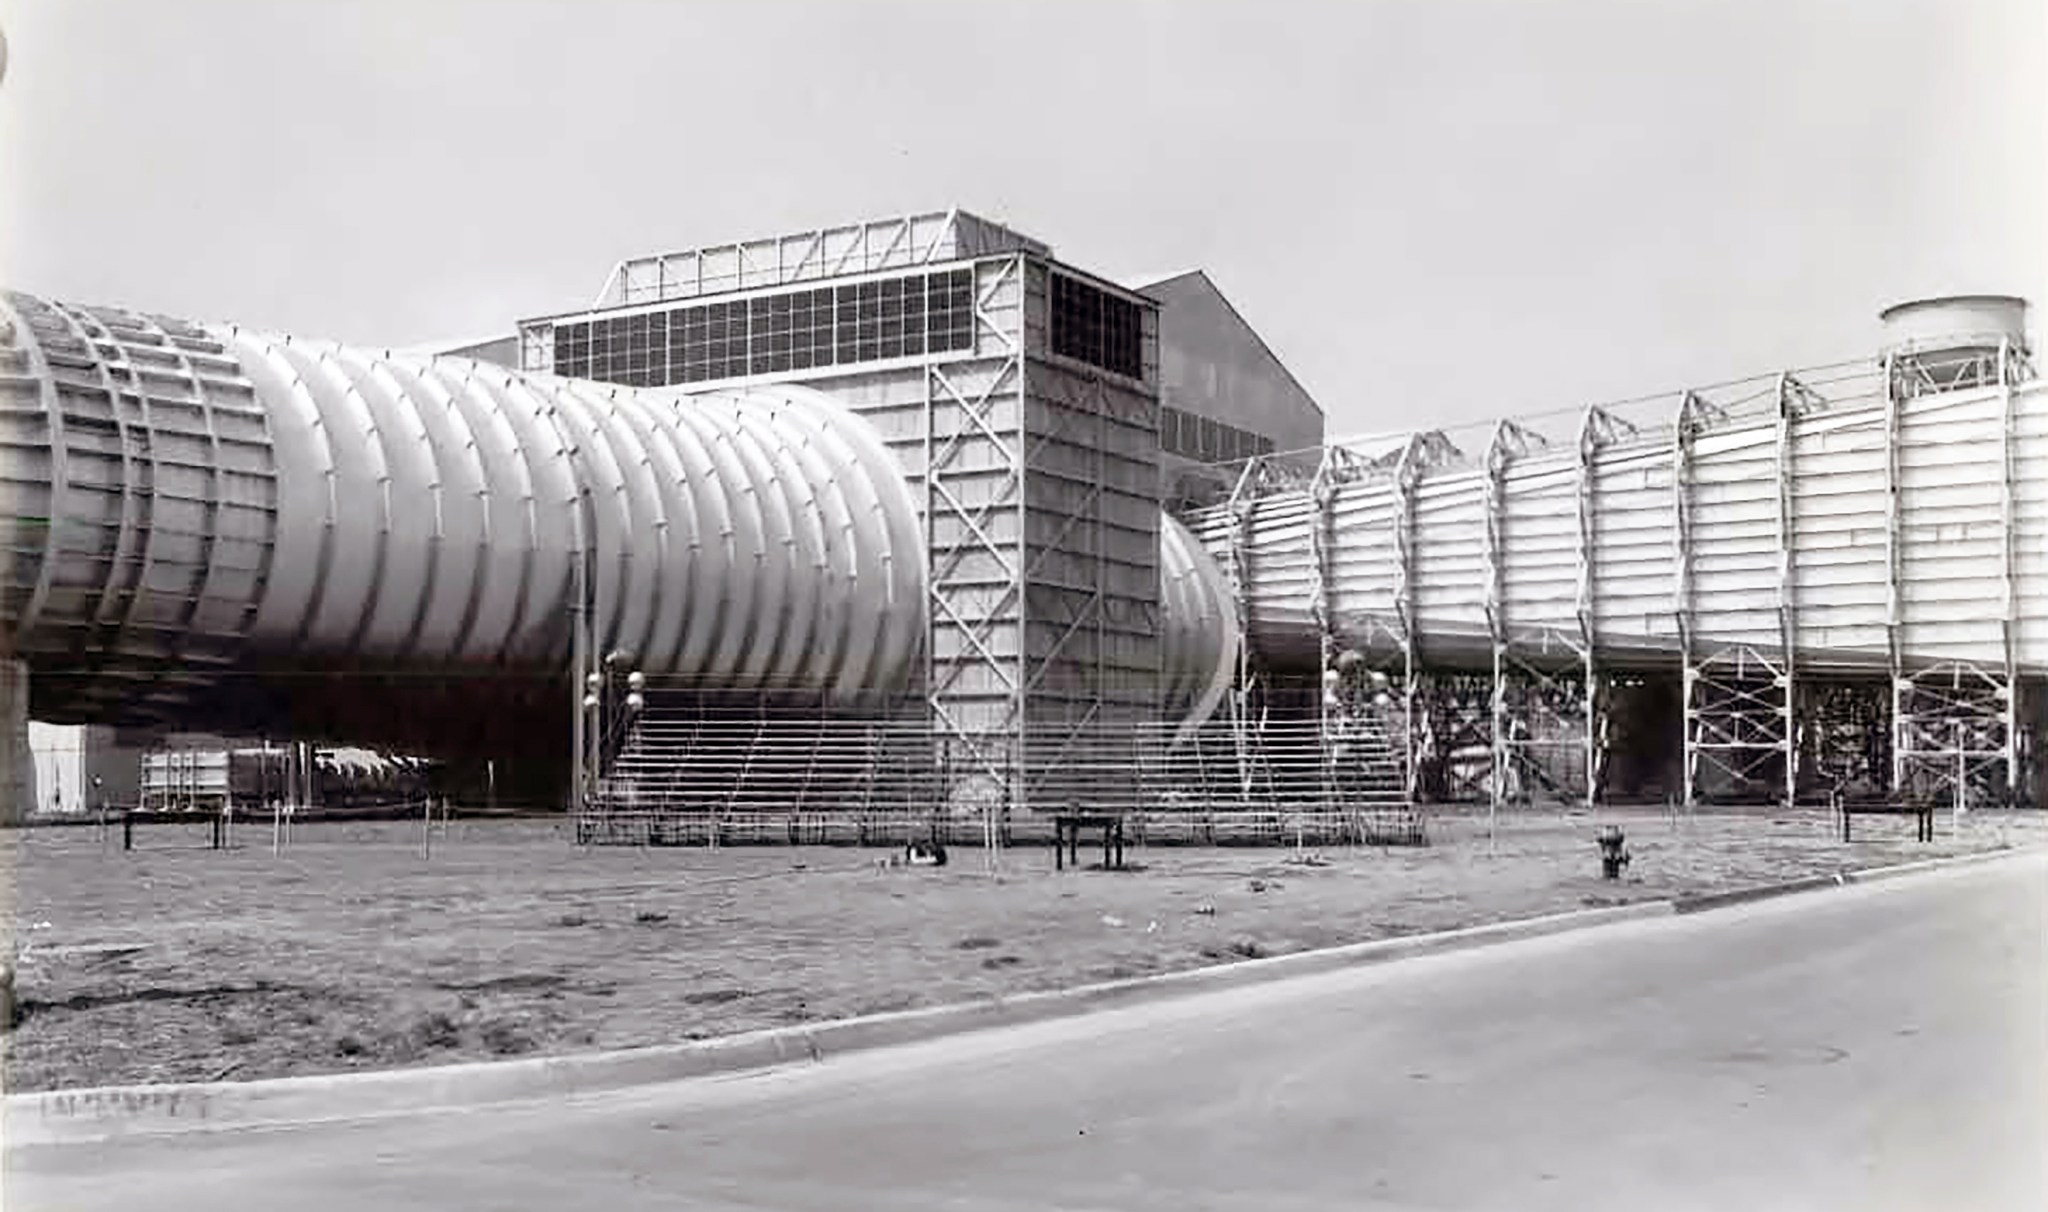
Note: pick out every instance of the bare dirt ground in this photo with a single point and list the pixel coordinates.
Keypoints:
(355, 950)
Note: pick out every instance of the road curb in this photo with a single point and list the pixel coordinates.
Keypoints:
(2004, 850)
(58, 1116)
(1739, 896)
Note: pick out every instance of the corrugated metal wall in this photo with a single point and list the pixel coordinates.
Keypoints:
(1970, 470)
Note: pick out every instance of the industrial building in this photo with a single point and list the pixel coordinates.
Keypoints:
(853, 532)
(1761, 591)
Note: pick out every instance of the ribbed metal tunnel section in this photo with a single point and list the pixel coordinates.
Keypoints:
(433, 510)
(180, 498)
(182, 502)
(1844, 528)
(138, 491)
(1199, 633)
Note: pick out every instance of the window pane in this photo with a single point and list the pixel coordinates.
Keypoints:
(1095, 327)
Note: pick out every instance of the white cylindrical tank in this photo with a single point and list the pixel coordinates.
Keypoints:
(1954, 340)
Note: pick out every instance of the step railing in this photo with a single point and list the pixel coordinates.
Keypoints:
(835, 779)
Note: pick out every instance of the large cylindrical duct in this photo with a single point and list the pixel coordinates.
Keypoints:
(1198, 636)
(185, 509)
(184, 500)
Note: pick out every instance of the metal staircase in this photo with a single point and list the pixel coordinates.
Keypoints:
(687, 777)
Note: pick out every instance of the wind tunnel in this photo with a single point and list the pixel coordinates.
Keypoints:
(205, 527)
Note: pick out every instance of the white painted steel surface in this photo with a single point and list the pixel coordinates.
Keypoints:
(433, 508)
(427, 512)
(1953, 323)
(1957, 456)
(1198, 633)
(218, 496)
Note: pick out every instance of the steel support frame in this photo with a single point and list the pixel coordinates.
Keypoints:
(1742, 700)
(1956, 733)
(1598, 429)
(1329, 702)
(1524, 717)
(1956, 730)
(1739, 700)
(1245, 690)
(976, 606)
(1736, 697)
(815, 254)
(1336, 467)
(1416, 455)
(1539, 710)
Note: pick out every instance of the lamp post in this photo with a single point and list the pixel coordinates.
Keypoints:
(613, 695)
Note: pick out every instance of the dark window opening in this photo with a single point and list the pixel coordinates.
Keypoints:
(1096, 327)
(1208, 441)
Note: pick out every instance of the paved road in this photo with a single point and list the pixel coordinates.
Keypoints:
(1884, 1046)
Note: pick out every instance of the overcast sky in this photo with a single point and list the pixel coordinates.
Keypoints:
(1429, 208)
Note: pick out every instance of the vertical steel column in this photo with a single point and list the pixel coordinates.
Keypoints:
(1593, 429)
(1018, 743)
(1495, 489)
(1788, 620)
(927, 511)
(1239, 572)
(1321, 493)
(1406, 472)
(1894, 558)
(2008, 517)
(579, 714)
(1681, 594)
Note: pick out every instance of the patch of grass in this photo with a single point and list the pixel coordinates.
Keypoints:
(347, 951)
(433, 1031)
(502, 1038)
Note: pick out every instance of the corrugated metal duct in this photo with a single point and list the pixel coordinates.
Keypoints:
(1198, 638)
(1843, 526)
(182, 499)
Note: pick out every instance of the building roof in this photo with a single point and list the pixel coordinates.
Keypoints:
(1144, 283)
(1141, 281)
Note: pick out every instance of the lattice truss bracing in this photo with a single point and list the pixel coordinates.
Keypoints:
(973, 491)
(1782, 549)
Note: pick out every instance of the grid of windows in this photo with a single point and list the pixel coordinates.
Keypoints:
(1207, 441)
(625, 349)
(798, 330)
(1096, 327)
